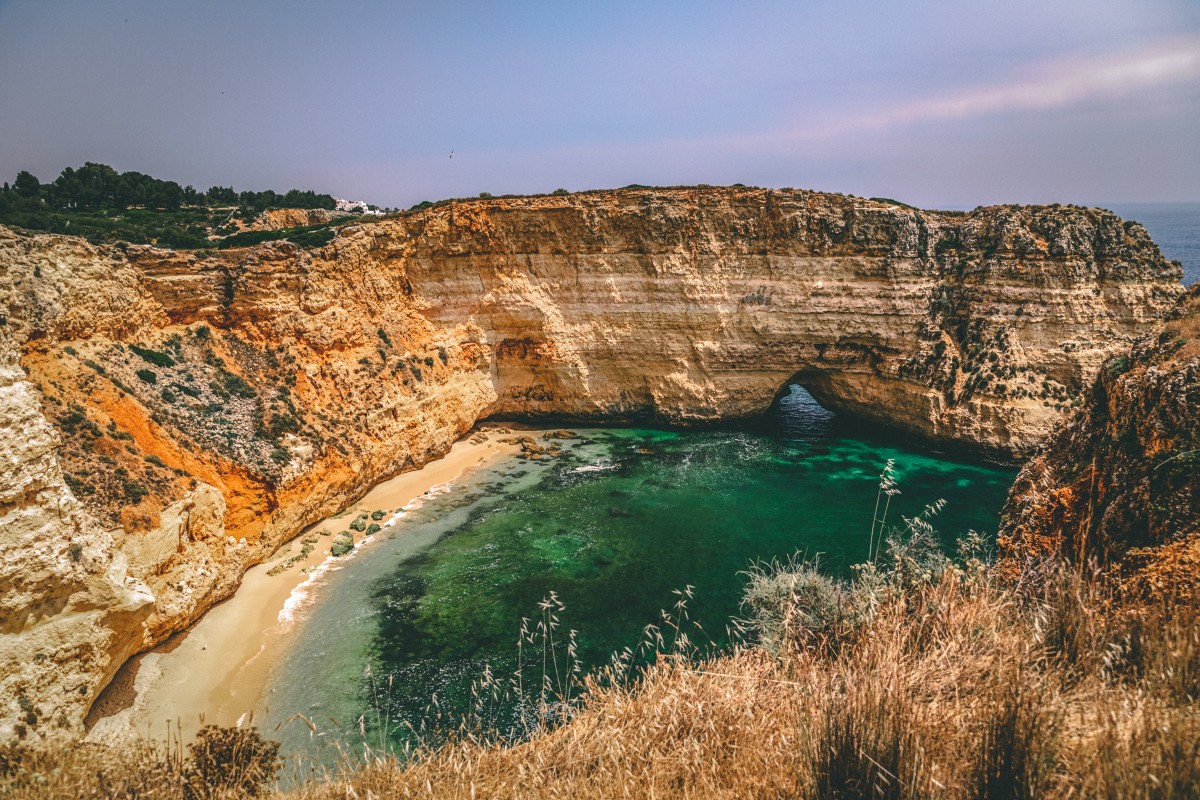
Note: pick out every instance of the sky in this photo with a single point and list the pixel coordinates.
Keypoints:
(939, 103)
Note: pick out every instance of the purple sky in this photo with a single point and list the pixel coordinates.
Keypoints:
(953, 103)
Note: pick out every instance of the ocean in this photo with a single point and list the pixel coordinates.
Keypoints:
(614, 528)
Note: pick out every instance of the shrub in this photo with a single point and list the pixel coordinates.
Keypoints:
(155, 357)
(236, 385)
(135, 491)
(792, 601)
(148, 375)
(231, 760)
(281, 424)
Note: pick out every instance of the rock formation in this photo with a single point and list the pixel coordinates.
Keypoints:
(274, 219)
(1120, 480)
(177, 415)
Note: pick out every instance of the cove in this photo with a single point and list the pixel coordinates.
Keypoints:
(612, 526)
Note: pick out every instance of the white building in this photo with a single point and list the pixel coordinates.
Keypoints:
(359, 206)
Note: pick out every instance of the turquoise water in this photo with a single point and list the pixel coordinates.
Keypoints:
(613, 526)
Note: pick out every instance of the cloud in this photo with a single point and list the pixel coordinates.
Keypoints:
(1057, 84)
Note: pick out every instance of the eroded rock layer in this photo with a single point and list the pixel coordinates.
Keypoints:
(1120, 480)
(183, 413)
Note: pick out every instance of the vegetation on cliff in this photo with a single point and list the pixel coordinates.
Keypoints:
(102, 205)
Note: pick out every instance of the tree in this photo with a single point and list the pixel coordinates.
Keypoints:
(27, 184)
(221, 196)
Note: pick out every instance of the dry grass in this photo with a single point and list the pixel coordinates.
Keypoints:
(959, 686)
(221, 763)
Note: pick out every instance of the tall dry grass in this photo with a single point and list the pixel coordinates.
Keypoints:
(919, 678)
(957, 687)
(961, 686)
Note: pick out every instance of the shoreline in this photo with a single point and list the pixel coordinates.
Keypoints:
(218, 670)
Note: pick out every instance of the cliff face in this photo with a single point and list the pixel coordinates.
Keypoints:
(1121, 479)
(190, 412)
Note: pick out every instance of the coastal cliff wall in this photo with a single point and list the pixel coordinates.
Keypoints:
(1120, 480)
(191, 411)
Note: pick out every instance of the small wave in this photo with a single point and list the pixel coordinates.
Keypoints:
(302, 594)
(595, 468)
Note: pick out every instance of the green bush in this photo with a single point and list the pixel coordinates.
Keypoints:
(135, 491)
(155, 357)
(148, 375)
(236, 385)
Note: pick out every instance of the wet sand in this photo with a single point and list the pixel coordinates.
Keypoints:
(217, 671)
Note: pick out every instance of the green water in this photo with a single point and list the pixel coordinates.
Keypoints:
(613, 526)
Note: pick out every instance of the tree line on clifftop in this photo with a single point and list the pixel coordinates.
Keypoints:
(103, 205)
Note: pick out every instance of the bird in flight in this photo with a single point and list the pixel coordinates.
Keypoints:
(452, 154)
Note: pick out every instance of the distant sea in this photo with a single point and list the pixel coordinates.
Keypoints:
(1175, 227)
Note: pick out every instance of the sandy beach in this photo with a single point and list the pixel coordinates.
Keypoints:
(217, 670)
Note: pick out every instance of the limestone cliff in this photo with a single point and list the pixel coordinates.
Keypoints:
(274, 219)
(196, 409)
(1120, 480)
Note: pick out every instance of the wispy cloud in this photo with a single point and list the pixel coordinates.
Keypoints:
(1057, 84)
